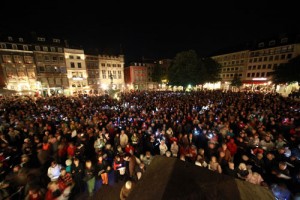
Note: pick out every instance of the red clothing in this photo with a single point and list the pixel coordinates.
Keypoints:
(71, 151)
(129, 149)
(232, 147)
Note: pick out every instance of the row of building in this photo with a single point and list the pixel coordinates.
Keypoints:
(49, 66)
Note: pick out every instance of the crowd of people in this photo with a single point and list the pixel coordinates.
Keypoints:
(58, 147)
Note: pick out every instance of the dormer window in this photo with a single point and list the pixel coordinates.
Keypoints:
(56, 40)
(21, 40)
(261, 45)
(284, 40)
(272, 43)
(41, 39)
(10, 38)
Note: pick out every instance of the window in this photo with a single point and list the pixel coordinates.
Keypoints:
(72, 65)
(56, 40)
(264, 66)
(54, 58)
(41, 39)
(269, 66)
(263, 74)
(28, 59)
(259, 67)
(260, 45)
(18, 59)
(119, 74)
(37, 48)
(270, 58)
(255, 60)
(6, 58)
(282, 57)
(104, 74)
(52, 49)
(41, 69)
(260, 59)
(119, 65)
(25, 47)
(277, 57)
(78, 57)
(71, 57)
(257, 74)
(21, 40)
(79, 65)
(45, 48)
(115, 74)
(289, 56)
(272, 43)
(60, 50)
(283, 40)
(236, 68)
(269, 74)
(61, 58)
(114, 65)
(3, 46)
(47, 58)
(240, 75)
(253, 74)
(10, 38)
(265, 58)
(108, 65)
(14, 46)
(74, 74)
(254, 67)
(102, 64)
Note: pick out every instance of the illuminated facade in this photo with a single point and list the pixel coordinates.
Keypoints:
(76, 71)
(50, 66)
(17, 65)
(111, 72)
(136, 76)
(255, 65)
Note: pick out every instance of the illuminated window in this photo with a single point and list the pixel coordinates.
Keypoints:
(45, 48)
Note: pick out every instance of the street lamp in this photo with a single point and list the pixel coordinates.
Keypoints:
(111, 80)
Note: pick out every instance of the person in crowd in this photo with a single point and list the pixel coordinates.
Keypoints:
(126, 190)
(89, 177)
(54, 171)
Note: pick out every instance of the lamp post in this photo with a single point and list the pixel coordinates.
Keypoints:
(111, 81)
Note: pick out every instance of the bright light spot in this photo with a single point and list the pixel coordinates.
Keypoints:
(104, 86)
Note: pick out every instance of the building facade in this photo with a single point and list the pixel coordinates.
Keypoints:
(17, 65)
(255, 65)
(93, 73)
(136, 76)
(76, 71)
(111, 72)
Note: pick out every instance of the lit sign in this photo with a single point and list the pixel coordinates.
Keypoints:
(259, 79)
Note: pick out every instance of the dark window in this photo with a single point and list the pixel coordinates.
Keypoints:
(72, 65)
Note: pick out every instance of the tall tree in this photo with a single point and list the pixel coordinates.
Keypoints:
(212, 70)
(287, 72)
(185, 69)
(236, 81)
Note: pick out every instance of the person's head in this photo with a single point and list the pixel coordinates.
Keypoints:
(53, 163)
(231, 165)
(128, 185)
(100, 158)
(88, 164)
(63, 171)
(282, 165)
(68, 162)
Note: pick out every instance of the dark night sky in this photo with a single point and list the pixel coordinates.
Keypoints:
(152, 30)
